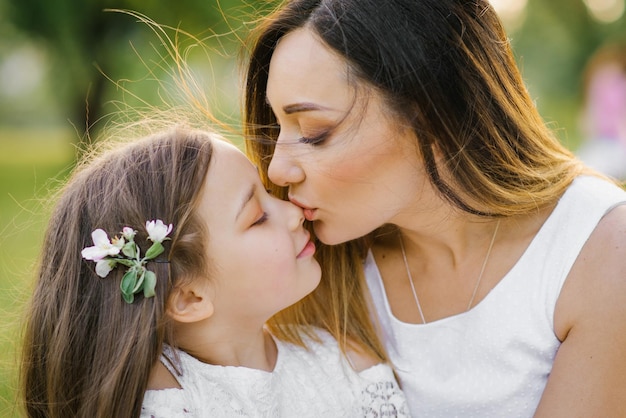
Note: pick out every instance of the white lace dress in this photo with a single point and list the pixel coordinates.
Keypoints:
(314, 383)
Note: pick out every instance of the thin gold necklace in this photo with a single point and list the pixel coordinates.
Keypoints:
(480, 276)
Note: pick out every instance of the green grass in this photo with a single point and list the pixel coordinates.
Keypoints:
(29, 162)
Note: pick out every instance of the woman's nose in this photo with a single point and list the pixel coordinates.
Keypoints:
(284, 169)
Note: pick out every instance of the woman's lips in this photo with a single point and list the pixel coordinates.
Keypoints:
(309, 213)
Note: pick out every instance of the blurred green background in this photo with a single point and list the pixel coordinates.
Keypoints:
(67, 64)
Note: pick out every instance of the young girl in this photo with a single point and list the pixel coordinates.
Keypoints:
(162, 262)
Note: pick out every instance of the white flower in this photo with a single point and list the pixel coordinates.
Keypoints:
(102, 247)
(157, 230)
(104, 267)
(108, 253)
(128, 233)
(118, 242)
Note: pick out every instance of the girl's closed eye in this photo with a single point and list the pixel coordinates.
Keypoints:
(261, 220)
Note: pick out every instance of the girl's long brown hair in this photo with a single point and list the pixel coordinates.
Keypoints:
(87, 353)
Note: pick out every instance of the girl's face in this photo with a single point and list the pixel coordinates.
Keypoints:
(345, 159)
(262, 256)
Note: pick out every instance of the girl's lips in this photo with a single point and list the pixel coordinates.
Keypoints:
(309, 249)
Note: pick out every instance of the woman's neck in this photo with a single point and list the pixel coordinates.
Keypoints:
(452, 240)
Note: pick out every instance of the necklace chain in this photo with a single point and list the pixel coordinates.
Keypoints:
(480, 275)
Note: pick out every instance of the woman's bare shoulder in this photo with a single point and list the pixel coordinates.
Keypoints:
(599, 272)
(589, 373)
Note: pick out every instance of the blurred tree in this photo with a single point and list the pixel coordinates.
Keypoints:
(86, 42)
(552, 47)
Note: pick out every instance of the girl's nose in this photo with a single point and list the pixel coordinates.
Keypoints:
(294, 215)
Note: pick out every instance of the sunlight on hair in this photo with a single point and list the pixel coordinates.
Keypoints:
(605, 11)
(186, 68)
(512, 12)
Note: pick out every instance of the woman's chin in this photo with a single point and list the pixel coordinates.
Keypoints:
(329, 235)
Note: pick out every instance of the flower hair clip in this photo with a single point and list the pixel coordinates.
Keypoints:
(123, 250)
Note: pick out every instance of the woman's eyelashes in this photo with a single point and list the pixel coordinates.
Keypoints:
(314, 140)
(308, 140)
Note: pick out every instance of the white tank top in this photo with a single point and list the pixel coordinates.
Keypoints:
(494, 360)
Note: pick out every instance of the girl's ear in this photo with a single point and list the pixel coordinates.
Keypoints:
(191, 302)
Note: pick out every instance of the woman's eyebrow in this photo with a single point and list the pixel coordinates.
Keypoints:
(298, 107)
(302, 107)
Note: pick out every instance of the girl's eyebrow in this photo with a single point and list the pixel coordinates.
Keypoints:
(247, 197)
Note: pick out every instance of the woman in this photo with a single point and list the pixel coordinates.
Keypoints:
(491, 254)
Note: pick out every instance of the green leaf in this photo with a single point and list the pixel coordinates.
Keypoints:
(126, 262)
(128, 283)
(154, 250)
(130, 249)
(149, 284)
(128, 298)
(139, 281)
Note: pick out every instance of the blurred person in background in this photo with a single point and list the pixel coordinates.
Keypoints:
(603, 117)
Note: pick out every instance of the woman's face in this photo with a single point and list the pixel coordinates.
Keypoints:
(345, 159)
(263, 256)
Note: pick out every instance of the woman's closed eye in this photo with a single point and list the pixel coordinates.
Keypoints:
(314, 140)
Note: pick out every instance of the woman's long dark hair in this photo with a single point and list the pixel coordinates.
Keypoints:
(446, 70)
(87, 353)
